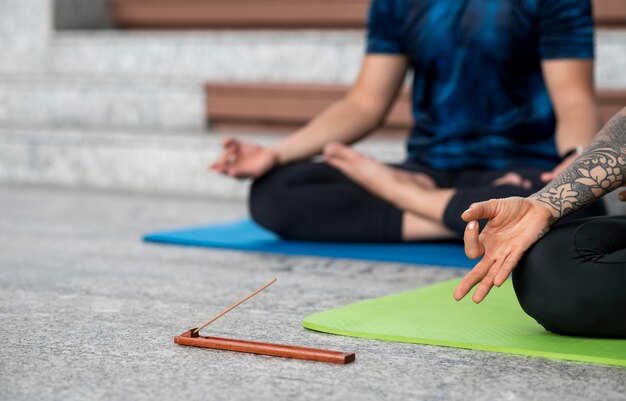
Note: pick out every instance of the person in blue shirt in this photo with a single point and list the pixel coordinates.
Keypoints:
(502, 100)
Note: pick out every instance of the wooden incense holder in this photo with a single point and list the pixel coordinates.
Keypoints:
(192, 338)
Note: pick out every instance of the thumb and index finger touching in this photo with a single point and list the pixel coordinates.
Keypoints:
(230, 147)
(477, 211)
(480, 210)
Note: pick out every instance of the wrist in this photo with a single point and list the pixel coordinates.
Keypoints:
(277, 156)
(548, 213)
(577, 151)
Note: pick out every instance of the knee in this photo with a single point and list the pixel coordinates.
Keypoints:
(270, 202)
(264, 202)
(541, 288)
(597, 238)
(566, 284)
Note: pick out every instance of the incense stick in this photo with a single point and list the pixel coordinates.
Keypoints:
(233, 306)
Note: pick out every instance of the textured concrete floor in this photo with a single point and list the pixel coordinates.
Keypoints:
(88, 311)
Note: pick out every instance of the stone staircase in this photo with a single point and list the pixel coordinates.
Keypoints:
(153, 80)
(125, 110)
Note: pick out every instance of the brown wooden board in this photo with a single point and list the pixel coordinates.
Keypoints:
(215, 14)
(610, 102)
(240, 13)
(610, 13)
(283, 107)
(284, 104)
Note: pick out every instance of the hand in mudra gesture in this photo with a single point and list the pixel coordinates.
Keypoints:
(241, 159)
(514, 225)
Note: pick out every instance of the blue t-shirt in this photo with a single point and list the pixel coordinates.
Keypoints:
(479, 99)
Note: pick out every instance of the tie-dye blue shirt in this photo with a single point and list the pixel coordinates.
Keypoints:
(479, 98)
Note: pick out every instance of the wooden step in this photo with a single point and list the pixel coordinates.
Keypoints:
(240, 13)
(610, 102)
(324, 14)
(284, 107)
(610, 13)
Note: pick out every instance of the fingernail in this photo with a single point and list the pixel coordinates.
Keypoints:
(471, 225)
(467, 210)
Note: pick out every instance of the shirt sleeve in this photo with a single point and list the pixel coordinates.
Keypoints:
(384, 28)
(565, 29)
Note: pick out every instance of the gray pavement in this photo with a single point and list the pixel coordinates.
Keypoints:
(88, 311)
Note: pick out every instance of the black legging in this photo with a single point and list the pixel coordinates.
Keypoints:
(573, 281)
(313, 201)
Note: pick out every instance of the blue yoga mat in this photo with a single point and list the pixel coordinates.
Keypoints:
(245, 235)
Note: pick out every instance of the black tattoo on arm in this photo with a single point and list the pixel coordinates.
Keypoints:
(598, 171)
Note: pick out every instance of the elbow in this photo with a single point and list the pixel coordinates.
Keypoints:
(577, 105)
(579, 110)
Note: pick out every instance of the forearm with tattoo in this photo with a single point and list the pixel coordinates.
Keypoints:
(599, 170)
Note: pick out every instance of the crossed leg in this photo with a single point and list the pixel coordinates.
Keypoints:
(354, 198)
(414, 193)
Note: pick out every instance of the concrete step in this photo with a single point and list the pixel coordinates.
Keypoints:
(153, 80)
(112, 79)
(167, 162)
(99, 102)
(309, 56)
(170, 163)
(271, 56)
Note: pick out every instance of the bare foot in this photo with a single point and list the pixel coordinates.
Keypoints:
(400, 188)
(424, 180)
(513, 179)
(377, 178)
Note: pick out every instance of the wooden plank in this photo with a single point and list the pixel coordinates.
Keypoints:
(284, 104)
(610, 102)
(287, 107)
(254, 347)
(241, 13)
(610, 13)
(250, 14)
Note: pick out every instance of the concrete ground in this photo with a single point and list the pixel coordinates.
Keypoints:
(88, 311)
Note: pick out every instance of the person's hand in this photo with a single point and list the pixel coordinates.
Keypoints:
(244, 160)
(551, 175)
(622, 196)
(514, 225)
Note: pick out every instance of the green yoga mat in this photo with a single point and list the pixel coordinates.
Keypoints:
(431, 316)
